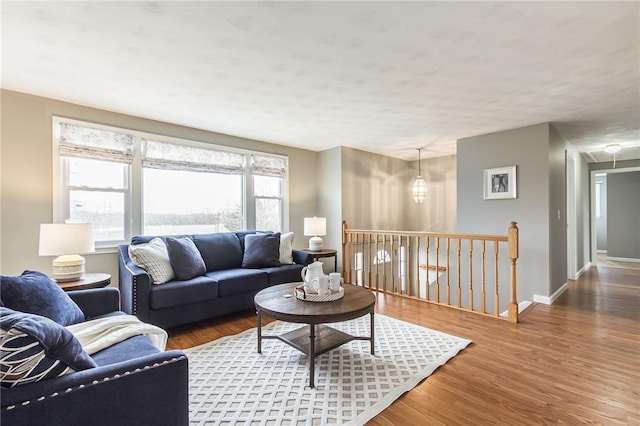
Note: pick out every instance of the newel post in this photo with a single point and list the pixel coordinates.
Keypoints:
(512, 241)
(345, 270)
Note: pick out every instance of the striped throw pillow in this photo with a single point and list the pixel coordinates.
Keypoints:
(153, 257)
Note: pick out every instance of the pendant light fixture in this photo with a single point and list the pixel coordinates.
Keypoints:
(419, 188)
(613, 148)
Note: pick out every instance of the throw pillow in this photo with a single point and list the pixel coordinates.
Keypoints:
(219, 251)
(36, 293)
(153, 257)
(185, 258)
(34, 348)
(261, 250)
(286, 248)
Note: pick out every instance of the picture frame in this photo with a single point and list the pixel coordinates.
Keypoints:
(500, 183)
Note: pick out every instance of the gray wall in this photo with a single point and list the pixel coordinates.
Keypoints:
(438, 212)
(329, 204)
(557, 211)
(26, 175)
(374, 190)
(623, 219)
(528, 149)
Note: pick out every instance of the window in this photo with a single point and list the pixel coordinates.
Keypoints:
(190, 190)
(130, 183)
(268, 191)
(95, 179)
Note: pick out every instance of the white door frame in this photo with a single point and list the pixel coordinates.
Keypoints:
(592, 190)
(572, 240)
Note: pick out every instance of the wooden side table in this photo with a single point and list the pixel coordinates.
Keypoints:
(95, 280)
(317, 254)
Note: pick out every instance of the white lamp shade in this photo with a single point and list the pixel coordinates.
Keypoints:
(314, 226)
(66, 238)
(419, 190)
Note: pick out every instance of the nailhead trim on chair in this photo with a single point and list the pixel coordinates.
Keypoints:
(134, 299)
(95, 382)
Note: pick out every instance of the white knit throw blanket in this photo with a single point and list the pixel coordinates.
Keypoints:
(98, 334)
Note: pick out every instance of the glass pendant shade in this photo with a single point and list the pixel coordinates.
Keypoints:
(419, 190)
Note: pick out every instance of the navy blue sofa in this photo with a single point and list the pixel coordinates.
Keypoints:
(226, 286)
(134, 383)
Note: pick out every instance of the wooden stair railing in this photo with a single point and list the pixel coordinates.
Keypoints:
(440, 268)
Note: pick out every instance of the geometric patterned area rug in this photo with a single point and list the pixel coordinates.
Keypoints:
(231, 384)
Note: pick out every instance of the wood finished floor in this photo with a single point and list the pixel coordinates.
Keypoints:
(574, 362)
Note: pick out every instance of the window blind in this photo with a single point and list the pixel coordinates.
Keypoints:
(265, 165)
(169, 156)
(92, 143)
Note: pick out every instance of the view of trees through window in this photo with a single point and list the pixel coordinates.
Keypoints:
(185, 202)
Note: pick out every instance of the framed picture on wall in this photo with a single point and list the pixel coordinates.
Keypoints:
(500, 183)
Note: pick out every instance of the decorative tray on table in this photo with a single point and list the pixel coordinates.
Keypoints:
(309, 294)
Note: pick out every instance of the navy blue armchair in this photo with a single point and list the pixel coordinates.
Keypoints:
(134, 383)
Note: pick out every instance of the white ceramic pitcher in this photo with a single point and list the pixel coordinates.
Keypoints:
(311, 272)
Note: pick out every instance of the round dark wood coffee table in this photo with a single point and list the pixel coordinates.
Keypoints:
(318, 338)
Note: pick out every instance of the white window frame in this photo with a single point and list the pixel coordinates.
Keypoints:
(133, 202)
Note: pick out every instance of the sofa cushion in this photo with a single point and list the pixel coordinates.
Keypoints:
(235, 281)
(283, 274)
(35, 348)
(35, 293)
(185, 258)
(153, 257)
(261, 250)
(219, 251)
(177, 293)
(286, 248)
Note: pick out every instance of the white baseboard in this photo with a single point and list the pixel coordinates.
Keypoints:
(583, 270)
(521, 307)
(548, 300)
(601, 251)
(623, 259)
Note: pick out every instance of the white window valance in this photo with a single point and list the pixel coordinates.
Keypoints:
(89, 142)
(265, 165)
(164, 155)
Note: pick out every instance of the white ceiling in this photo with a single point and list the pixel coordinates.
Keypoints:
(380, 76)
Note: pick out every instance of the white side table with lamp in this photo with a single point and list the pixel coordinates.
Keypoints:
(315, 227)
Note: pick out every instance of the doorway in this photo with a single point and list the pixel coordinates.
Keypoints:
(600, 220)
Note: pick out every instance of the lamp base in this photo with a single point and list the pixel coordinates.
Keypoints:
(69, 267)
(316, 243)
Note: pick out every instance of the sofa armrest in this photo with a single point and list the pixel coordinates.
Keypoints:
(150, 390)
(96, 301)
(302, 257)
(135, 286)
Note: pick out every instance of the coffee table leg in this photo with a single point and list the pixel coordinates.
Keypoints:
(373, 350)
(312, 353)
(259, 331)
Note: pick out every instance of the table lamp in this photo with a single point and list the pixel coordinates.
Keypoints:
(315, 226)
(65, 240)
